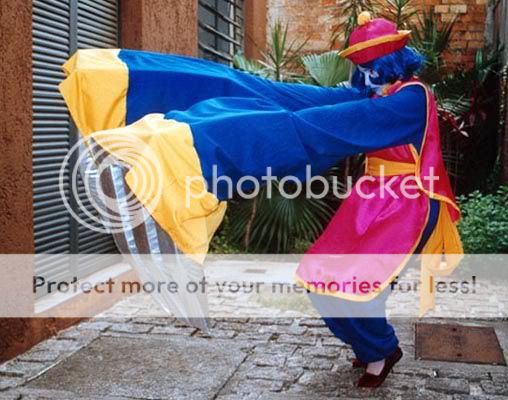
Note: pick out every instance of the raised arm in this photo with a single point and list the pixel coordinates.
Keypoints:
(108, 88)
(239, 137)
(362, 126)
(162, 82)
(242, 137)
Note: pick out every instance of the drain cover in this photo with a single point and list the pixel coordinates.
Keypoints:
(458, 343)
(255, 271)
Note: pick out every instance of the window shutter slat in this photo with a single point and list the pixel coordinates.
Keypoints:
(55, 38)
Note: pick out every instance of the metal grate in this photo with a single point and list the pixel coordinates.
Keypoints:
(458, 343)
(221, 29)
(59, 28)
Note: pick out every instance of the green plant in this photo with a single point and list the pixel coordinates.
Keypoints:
(282, 54)
(278, 60)
(278, 224)
(432, 37)
(468, 84)
(222, 242)
(281, 224)
(466, 94)
(484, 224)
(251, 66)
(347, 15)
(399, 11)
(468, 103)
(327, 69)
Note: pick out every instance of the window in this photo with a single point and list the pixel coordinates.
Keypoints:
(221, 30)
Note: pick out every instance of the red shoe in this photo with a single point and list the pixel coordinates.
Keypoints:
(372, 381)
(356, 363)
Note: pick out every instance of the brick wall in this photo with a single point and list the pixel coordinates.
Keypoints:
(168, 26)
(316, 20)
(468, 34)
(307, 19)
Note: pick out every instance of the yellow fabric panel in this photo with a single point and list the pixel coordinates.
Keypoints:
(166, 177)
(376, 166)
(444, 240)
(95, 89)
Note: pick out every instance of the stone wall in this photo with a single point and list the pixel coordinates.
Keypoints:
(167, 26)
(255, 17)
(16, 127)
(316, 20)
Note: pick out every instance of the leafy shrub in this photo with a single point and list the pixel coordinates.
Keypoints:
(222, 242)
(484, 224)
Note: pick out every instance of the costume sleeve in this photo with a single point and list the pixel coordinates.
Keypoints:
(237, 137)
(163, 82)
(363, 126)
(111, 88)
(235, 142)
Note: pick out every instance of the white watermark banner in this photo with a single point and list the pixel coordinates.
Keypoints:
(117, 208)
(249, 286)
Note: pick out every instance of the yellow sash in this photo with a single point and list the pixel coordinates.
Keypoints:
(375, 166)
(444, 240)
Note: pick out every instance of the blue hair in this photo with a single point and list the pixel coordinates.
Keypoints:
(399, 65)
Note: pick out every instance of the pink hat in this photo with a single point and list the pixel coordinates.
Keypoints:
(373, 38)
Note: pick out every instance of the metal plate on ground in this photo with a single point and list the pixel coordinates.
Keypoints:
(458, 343)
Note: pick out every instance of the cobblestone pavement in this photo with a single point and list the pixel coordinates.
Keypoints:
(294, 357)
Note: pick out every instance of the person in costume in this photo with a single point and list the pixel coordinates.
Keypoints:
(201, 120)
(368, 223)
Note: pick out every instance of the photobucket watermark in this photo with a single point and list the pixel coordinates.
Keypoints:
(94, 189)
(313, 186)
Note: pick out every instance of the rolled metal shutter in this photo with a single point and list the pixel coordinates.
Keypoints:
(59, 28)
(97, 27)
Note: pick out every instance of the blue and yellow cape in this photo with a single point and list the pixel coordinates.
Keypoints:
(200, 118)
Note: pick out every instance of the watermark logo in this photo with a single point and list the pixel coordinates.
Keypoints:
(93, 188)
(366, 187)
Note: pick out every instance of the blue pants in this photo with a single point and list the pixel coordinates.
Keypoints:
(372, 339)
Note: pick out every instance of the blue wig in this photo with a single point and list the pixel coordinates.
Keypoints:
(399, 65)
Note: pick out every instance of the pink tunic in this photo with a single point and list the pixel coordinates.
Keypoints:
(376, 221)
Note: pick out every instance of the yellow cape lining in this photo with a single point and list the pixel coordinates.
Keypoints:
(105, 78)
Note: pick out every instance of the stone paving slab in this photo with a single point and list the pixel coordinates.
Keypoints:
(170, 368)
(128, 357)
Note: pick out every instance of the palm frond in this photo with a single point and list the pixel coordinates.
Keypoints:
(399, 11)
(248, 65)
(280, 223)
(281, 55)
(432, 37)
(347, 15)
(327, 69)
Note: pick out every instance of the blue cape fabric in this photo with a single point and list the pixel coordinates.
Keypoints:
(242, 124)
